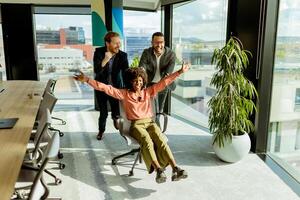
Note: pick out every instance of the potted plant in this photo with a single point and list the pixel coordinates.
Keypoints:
(135, 61)
(232, 103)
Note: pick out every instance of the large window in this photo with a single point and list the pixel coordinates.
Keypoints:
(138, 29)
(284, 131)
(198, 28)
(64, 46)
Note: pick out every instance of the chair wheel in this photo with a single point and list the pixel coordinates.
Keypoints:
(60, 155)
(63, 122)
(113, 162)
(61, 134)
(57, 181)
(62, 166)
(130, 173)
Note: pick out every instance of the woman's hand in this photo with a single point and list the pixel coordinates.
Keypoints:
(81, 77)
(184, 68)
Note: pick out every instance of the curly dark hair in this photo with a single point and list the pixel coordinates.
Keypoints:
(133, 73)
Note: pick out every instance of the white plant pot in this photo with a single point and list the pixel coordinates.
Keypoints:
(235, 150)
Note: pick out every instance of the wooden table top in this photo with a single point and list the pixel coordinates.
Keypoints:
(19, 99)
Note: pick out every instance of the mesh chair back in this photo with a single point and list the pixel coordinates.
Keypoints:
(42, 128)
(38, 190)
(49, 102)
(49, 86)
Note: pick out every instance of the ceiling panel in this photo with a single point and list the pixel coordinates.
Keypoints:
(138, 4)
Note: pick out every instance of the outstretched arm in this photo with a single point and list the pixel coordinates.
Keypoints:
(108, 89)
(154, 89)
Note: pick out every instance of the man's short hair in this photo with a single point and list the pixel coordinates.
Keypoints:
(159, 34)
(109, 35)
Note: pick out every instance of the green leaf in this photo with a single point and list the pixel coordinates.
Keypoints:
(230, 107)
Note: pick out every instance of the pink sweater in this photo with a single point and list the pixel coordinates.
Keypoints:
(133, 108)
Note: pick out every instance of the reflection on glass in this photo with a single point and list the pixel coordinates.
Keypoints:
(198, 28)
(2, 58)
(64, 47)
(138, 29)
(284, 131)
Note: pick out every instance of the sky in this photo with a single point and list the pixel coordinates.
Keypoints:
(289, 18)
(54, 22)
(201, 19)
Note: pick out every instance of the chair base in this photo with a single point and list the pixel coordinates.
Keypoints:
(132, 152)
(63, 122)
(57, 181)
(54, 129)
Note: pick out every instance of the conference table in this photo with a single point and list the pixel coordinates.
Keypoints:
(18, 99)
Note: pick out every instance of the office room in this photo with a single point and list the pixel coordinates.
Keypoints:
(149, 99)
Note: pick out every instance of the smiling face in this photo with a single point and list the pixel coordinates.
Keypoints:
(158, 44)
(137, 84)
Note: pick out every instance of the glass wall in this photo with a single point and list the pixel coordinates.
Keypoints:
(284, 129)
(138, 29)
(64, 46)
(198, 28)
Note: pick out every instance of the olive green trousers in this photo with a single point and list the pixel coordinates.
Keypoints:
(152, 142)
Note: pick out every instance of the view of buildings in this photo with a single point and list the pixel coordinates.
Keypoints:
(63, 50)
(195, 44)
(136, 40)
(284, 131)
(70, 35)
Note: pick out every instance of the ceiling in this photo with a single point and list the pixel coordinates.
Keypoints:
(133, 4)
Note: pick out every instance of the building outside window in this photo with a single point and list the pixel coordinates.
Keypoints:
(138, 29)
(198, 28)
(63, 48)
(284, 129)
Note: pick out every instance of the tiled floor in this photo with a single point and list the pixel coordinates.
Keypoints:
(90, 175)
